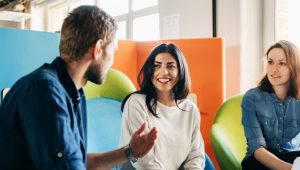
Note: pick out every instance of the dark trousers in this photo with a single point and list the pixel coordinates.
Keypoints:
(252, 164)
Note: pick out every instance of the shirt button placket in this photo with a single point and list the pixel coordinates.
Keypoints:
(280, 125)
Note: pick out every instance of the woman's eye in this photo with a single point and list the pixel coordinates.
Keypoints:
(270, 61)
(282, 64)
(156, 65)
(171, 66)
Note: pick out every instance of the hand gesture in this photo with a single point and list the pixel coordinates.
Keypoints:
(142, 142)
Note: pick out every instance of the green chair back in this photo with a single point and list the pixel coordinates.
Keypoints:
(116, 86)
(227, 135)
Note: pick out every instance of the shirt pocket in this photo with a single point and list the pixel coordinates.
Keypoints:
(291, 128)
(267, 126)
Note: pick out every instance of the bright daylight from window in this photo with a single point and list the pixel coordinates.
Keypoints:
(293, 21)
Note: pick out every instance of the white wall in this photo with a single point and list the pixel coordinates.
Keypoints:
(229, 27)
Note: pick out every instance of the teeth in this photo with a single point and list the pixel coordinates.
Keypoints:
(163, 80)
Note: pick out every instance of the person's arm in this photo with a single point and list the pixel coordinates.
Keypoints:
(134, 114)
(255, 139)
(140, 144)
(270, 160)
(196, 157)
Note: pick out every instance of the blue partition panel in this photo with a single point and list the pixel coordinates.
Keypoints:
(104, 124)
(22, 51)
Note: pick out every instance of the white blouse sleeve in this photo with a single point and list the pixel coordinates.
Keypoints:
(134, 115)
(196, 157)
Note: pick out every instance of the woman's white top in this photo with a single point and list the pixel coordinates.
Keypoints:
(179, 141)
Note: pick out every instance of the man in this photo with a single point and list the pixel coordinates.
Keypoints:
(43, 118)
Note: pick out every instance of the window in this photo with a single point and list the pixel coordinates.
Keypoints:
(56, 15)
(293, 22)
(137, 19)
(140, 4)
(146, 28)
(122, 35)
(58, 10)
(77, 3)
(115, 7)
(287, 22)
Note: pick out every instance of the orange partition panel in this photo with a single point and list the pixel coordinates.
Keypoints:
(125, 59)
(205, 61)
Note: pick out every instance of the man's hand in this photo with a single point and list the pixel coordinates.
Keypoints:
(142, 142)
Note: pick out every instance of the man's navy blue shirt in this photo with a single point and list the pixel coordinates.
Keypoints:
(43, 122)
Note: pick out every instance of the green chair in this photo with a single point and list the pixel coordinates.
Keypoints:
(227, 135)
(116, 86)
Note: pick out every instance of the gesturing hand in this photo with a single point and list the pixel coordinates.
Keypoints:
(142, 142)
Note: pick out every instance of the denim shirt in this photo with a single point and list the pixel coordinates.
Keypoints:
(43, 122)
(269, 122)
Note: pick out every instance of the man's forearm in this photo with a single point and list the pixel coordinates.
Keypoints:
(106, 160)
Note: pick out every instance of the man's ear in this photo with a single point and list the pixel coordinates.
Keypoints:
(98, 51)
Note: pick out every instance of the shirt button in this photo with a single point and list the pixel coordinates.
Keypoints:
(277, 146)
(59, 154)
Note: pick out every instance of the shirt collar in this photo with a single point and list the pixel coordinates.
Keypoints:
(276, 100)
(66, 80)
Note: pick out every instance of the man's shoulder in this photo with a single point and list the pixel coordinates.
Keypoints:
(45, 74)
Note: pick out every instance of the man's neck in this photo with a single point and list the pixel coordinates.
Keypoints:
(77, 70)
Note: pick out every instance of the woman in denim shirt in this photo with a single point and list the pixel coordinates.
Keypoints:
(271, 112)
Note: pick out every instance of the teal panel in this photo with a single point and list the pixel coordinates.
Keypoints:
(104, 124)
(22, 51)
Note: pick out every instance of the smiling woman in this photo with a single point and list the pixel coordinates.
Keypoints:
(165, 74)
(162, 102)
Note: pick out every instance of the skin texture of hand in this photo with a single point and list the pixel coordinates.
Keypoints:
(141, 142)
(289, 166)
(270, 160)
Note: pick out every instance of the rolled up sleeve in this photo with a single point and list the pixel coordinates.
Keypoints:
(252, 127)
